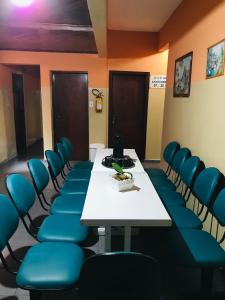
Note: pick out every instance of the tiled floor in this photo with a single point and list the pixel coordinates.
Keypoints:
(179, 283)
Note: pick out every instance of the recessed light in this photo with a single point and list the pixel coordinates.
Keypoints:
(22, 3)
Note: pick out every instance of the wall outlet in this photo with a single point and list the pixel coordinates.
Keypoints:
(91, 104)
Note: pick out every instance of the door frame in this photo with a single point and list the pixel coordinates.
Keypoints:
(24, 151)
(147, 78)
(52, 98)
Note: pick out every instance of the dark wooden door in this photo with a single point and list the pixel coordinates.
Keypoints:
(128, 103)
(19, 114)
(70, 110)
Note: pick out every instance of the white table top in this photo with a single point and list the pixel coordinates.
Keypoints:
(101, 153)
(105, 206)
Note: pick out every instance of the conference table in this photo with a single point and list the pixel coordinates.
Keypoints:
(105, 206)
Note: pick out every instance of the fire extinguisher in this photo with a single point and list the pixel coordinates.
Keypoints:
(98, 100)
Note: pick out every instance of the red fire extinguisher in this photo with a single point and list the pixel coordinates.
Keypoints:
(98, 100)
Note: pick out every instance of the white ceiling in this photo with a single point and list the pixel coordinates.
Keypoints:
(140, 15)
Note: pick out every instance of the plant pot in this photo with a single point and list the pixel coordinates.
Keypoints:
(124, 184)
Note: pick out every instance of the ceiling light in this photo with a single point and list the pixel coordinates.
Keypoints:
(22, 3)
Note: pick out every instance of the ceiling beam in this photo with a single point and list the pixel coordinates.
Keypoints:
(48, 26)
(98, 14)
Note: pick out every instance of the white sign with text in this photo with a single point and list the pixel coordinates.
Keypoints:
(158, 82)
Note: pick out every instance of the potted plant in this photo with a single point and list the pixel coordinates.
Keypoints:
(123, 180)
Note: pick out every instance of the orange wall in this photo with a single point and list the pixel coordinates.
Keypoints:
(5, 77)
(131, 44)
(95, 66)
(97, 76)
(137, 51)
(194, 26)
(141, 56)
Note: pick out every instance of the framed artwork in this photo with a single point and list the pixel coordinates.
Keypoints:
(215, 60)
(182, 76)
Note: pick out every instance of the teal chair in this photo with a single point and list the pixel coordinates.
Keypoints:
(46, 266)
(55, 167)
(57, 227)
(9, 221)
(83, 165)
(75, 174)
(189, 171)
(205, 248)
(205, 188)
(164, 184)
(168, 156)
(120, 276)
(71, 204)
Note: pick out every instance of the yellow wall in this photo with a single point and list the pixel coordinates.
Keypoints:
(98, 68)
(32, 105)
(7, 127)
(198, 121)
(32, 111)
(97, 78)
(98, 121)
(156, 64)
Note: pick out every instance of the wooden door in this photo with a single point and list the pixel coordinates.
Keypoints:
(19, 114)
(128, 103)
(70, 110)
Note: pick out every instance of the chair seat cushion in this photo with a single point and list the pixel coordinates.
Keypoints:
(68, 204)
(50, 266)
(155, 172)
(172, 198)
(184, 217)
(78, 175)
(62, 227)
(83, 165)
(162, 184)
(203, 247)
(75, 187)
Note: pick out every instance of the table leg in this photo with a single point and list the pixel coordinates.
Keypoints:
(107, 238)
(101, 240)
(127, 238)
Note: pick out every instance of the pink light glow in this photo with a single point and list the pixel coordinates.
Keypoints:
(22, 3)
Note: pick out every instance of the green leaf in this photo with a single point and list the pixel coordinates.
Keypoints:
(117, 168)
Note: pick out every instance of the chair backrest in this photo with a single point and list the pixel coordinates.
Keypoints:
(170, 151)
(68, 151)
(179, 159)
(120, 275)
(67, 142)
(9, 220)
(21, 192)
(205, 185)
(54, 162)
(39, 174)
(189, 170)
(219, 207)
(63, 152)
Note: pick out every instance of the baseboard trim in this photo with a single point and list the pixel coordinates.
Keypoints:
(2, 163)
(34, 142)
(152, 160)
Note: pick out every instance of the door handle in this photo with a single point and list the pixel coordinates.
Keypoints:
(113, 121)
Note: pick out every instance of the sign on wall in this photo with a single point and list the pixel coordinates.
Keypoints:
(158, 82)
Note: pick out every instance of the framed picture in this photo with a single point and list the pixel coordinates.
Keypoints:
(182, 76)
(215, 60)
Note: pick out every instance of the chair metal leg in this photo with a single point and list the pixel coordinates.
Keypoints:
(13, 254)
(36, 295)
(206, 283)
